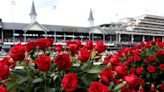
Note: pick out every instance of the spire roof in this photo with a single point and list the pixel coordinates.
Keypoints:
(90, 16)
(33, 11)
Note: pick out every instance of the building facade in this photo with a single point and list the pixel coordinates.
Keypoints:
(127, 31)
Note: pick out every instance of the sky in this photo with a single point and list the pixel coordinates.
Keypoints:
(76, 12)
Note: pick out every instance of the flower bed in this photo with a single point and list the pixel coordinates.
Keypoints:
(35, 68)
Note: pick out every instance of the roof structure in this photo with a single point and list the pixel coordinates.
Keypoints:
(56, 28)
(35, 26)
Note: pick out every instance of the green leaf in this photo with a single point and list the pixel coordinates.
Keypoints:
(22, 80)
(117, 87)
(111, 85)
(37, 80)
(94, 69)
(86, 66)
(12, 86)
(20, 72)
(75, 69)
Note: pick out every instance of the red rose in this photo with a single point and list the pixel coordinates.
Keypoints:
(69, 82)
(6, 60)
(125, 89)
(139, 70)
(161, 66)
(63, 61)
(4, 71)
(44, 43)
(17, 52)
(106, 61)
(106, 75)
(147, 45)
(141, 90)
(131, 80)
(160, 53)
(151, 58)
(41, 43)
(152, 88)
(114, 60)
(58, 47)
(136, 58)
(73, 48)
(116, 81)
(100, 47)
(31, 45)
(132, 69)
(88, 44)
(161, 87)
(121, 70)
(147, 60)
(151, 68)
(130, 59)
(84, 55)
(97, 87)
(3, 89)
(78, 42)
(43, 62)
(49, 42)
(141, 81)
(160, 44)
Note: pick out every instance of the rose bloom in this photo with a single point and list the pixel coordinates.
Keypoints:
(78, 42)
(69, 82)
(106, 75)
(121, 70)
(125, 89)
(84, 55)
(73, 48)
(139, 70)
(151, 68)
(141, 81)
(97, 87)
(88, 44)
(6, 60)
(4, 71)
(161, 66)
(136, 58)
(151, 58)
(130, 59)
(17, 52)
(132, 69)
(30, 46)
(58, 47)
(49, 42)
(160, 53)
(131, 80)
(161, 87)
(147, 60)
(100, 47)
(3, 89)
(106, 61)
(43, 62)
(114, 60)
(41, 43)
(141, 90)
(62, 60)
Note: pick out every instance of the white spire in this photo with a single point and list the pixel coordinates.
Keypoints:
(33, 13)
(91, 19)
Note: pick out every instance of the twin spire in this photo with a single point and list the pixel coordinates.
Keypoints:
(33, 15)
(91, 19)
